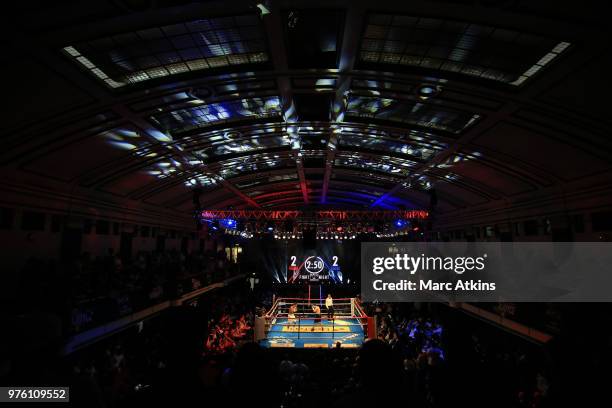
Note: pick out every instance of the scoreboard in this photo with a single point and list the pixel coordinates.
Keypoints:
(314, 269)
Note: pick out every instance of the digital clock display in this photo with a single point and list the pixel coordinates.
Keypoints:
(314, 264)
(314, 268)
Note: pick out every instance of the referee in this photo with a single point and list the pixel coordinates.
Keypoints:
(329, 305)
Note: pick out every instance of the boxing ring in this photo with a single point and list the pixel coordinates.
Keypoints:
(279, 327)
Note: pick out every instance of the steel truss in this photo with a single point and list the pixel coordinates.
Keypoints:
(332, 215)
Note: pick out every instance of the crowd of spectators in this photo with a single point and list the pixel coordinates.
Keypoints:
(90, 291)
(119, 371)
(226, 333)
(410, 363)
(512, 370)
(410, 333)
(135, 366)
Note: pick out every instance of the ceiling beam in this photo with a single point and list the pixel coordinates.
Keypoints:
(353, 27)
(278, 53)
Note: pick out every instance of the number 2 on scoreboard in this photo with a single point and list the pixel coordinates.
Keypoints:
(293, 259)
(335, 259)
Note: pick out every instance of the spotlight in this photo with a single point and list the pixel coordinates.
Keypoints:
(263, 10)
(399, 223)
(228, 223)
(427, 91)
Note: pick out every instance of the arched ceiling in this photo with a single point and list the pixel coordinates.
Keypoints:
(354, 104)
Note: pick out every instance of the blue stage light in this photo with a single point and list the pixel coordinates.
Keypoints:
(400, 223)
(228, 223)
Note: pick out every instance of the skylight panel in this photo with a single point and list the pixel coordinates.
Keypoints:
(206, 114)
(159, 52)
(473, 50)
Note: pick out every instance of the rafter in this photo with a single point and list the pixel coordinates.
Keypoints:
(278, 54)
(350, 41)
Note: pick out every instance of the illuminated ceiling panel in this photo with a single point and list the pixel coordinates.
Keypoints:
(158, 52)
(457, 158)
(406, 146)
(247, 145)
(251, 163)
(165, 168)
(475, 50)
(386, 164)
(219, 112)
(201, 180)
(410, 112)
(237, 141)
(130, 139)
(313, 153)
(365, 177)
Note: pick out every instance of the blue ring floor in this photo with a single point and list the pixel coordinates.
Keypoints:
(304, 339)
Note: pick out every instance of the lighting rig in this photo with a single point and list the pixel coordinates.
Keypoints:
(323, 225)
